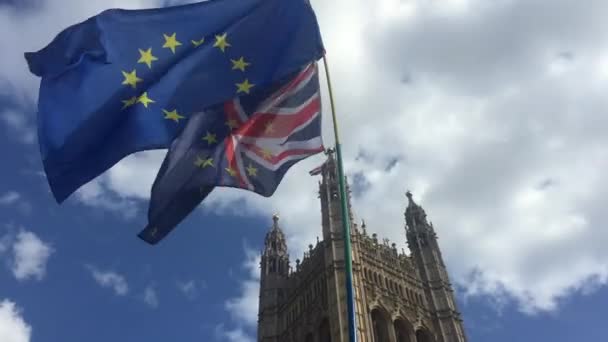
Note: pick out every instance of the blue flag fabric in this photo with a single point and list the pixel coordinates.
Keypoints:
(129, 80)
(249, 142)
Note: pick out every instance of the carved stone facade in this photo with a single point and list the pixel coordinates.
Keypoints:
(398, 297)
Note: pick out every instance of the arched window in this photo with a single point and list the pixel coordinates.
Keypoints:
(404, 331)
(380, 326)
(423, 335)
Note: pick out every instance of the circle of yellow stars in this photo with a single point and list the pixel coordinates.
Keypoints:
(171, 42)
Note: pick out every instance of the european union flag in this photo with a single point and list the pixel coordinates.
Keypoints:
(248, 142)
(129, 80)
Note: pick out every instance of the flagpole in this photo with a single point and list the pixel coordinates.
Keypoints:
(348, 261)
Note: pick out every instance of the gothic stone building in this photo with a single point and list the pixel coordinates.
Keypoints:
(398, 298)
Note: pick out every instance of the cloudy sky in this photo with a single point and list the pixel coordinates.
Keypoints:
(493, 113)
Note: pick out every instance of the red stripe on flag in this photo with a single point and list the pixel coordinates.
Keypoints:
(303, 75)
(268, 125)
(231, 155)
(278, 158)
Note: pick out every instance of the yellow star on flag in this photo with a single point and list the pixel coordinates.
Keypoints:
(147, 57)
(221, 42)
(129, 102)
(244, 86)
(203, 162)
(232, 124)
(252, 171)
(267, 154)
(144, 99)
(269, 128)
(239, 64)
(198, 43)
(171, 42)
(230, 171)
(172, 115)
(131, 78)
(210, 138)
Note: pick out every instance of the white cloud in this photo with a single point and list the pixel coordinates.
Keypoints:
(14, 199)
(94, 194)
(110, 279)
(232, 335)
(150, 297)
(9, 198)
(30, 256)
(13, 328)
(20, 126)
(494, 111)
(243, 309)
(188, 288)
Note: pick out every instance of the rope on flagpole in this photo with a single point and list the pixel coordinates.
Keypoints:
(348, 261)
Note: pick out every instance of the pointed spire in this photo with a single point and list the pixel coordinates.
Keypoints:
(414, 214)
(275, 258)
(329, 193)
(275, 221)
(410, 199)
(275, 242)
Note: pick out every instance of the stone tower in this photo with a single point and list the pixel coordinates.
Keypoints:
(273, 282)
(422, 242)
(398, 297)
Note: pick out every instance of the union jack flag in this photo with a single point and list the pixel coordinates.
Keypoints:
(284, 129)
(248, 142)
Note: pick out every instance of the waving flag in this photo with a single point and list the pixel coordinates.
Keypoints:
(249, 142)
(129, 80)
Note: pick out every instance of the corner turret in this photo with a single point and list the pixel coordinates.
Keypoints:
(422, 242)
(274, 275)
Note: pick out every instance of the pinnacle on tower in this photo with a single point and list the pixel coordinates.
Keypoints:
(275, 222)
(415, 217)
(426, 254)
(275, 253)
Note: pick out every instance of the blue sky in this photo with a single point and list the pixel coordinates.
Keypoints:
(492, 114)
